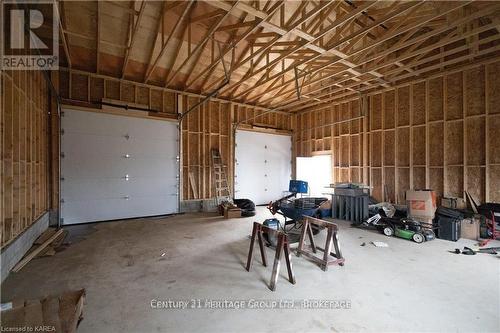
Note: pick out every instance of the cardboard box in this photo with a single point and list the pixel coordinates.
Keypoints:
(231, 213)
(470, 228)
(56, 313)
(421, 203)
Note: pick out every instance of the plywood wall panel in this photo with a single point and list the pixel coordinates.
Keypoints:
(418, 145)
(493, 87)
(454, 139)
(436, 180)
(376, 112)
(476, 182)
(79, 87)
(454, 181)
(128, 93)
(156, 100)
(475, 91)
(112, 89)
(436, 144)
(390, 184)
(389, 109)
(403, 146)
(475, 135)
(376, 151)
(389, 147)
(418, 111)
(454, 96)
(377, 184)
(403, 106)
(494, 183)
(96, 89)
(169, 103)
(143, 95)
(493, 139)
(435, 99)
(403, 184)
(418, 177)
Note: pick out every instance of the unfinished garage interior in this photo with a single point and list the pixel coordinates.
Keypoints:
(250, 166)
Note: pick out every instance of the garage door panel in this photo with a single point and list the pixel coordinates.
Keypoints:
(145, 130)
(83, 211)
(101, 124)
(101, 188)
(110, 176)
(114, 167)
(93, 146)
(263, 166)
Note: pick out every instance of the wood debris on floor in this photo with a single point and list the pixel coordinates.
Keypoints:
(45, 245)
(56, 313)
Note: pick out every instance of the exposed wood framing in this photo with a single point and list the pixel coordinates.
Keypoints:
(433, 133)
(24, 141)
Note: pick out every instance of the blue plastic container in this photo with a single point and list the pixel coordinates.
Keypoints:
(298, 186)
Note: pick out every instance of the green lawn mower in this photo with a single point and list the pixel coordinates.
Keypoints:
(405, 228)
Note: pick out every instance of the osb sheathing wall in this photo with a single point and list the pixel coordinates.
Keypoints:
(208, 126)
(24, 150)
(439, 133)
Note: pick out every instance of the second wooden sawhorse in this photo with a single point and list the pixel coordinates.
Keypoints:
(282, 246)
(331, 239)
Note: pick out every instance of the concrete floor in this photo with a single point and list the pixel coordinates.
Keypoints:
(124, 265)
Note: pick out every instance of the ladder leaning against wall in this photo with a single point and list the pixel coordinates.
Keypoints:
(222, 192)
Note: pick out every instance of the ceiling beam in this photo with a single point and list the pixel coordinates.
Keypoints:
(339, 97)
(338, 43)
(291, 30)
(133, 35)
(452, 7)
(408, 55)
(343, 19)
(59, 7)
(236, 42)
(201, 45)
(178, 24)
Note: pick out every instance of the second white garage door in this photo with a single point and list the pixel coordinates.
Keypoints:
(263, 166)
(116, 167)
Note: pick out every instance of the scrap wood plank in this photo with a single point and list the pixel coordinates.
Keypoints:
(35, 252)
(471, 202)
(50, 249)
(45, 235)
(193, 184)
(47, 252)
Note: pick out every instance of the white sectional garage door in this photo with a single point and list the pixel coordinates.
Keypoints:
(116, 167)
(263, 166)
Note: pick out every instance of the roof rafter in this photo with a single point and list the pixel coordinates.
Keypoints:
(176, 28)
(308, 43)
(201, 45)
(417, 71)
(241, 38)
(452, 7)
(135, 28)
(338, 43)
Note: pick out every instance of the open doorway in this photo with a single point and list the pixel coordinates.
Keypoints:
(317, 171)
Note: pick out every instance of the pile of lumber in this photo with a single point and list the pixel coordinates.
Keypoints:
(57, 313)
(45, 245)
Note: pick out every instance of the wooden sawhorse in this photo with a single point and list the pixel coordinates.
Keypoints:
(331, 238)
(283, 244)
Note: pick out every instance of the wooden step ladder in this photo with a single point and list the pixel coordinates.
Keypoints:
(222, 192)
